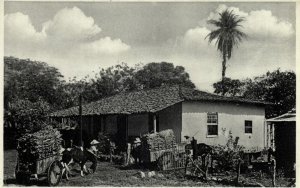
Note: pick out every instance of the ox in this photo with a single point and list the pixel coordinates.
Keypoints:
(79, 155)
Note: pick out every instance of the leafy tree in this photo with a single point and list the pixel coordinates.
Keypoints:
(27, 116)
(31, 80)
(276, 87)
(115, 79)
(107, 82)
(158, 74)
(227, 35)
(122, 78)
(229, 87)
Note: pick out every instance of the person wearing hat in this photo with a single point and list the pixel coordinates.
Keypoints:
(137, 141)
(93, 146)
(136, 150)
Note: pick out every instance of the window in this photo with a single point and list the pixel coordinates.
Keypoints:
(212, 123)
(248, 126)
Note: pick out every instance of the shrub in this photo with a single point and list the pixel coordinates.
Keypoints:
(29, 117)
(103, 146)
(227, 156)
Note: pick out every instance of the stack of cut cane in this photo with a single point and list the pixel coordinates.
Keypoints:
(39, 145)
(159, 141)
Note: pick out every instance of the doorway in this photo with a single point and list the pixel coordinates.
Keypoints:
(122, 131)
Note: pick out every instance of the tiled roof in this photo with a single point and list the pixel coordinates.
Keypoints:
(151, 100)
(196, 95)
(287, 117)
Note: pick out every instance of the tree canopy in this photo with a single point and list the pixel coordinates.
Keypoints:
(34, 81)
(276, 87)
(31, 80)
(122, 78)
(158, 74)
(37, 83)
(229, 87)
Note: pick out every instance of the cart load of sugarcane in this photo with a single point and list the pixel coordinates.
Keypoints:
(159, 141)
(39, 145)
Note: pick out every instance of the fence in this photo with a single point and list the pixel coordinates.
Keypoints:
(174, 159)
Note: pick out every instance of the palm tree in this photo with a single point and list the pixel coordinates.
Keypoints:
(227, 35)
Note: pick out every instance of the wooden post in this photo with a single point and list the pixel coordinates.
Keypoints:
(206, 165)
(126, 123)
(111, 151)
(154, 123)
(274, 173)
(92, 127)
(238, 171)
(128, 154)
(80, 118)
(194, 146)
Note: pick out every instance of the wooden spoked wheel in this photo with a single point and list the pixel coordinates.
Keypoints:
(54, 173)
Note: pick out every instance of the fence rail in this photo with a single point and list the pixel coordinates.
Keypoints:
(174, 159)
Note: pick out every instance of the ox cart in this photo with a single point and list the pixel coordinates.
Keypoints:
(166, 159)
(162, 150)
(39, 156)
(48, 167)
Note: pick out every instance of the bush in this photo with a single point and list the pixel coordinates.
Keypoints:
(29, 117)
(227, 156)
(103, 146)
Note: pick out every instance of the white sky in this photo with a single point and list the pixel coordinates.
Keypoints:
(80, 38)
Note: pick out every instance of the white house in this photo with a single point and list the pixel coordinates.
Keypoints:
(208, 117)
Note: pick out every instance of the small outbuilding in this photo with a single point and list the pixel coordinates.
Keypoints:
(282, 137)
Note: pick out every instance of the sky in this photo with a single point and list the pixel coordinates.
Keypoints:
(80, 38)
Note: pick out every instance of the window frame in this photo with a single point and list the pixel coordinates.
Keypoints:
(246, 126)
(212, 119)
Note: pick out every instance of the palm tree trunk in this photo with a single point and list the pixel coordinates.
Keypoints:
(223, 73)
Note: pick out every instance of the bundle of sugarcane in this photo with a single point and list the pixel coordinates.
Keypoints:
(159, 141)
(38, 145)
(169, 137)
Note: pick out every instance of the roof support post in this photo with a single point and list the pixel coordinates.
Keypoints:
(80, 118)
(154, 123)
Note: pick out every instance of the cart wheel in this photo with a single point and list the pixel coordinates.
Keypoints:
(54, 173)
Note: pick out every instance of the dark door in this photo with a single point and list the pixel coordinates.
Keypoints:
(285, 144)
(122, 132)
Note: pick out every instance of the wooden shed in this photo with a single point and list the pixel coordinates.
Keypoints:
(284, 136)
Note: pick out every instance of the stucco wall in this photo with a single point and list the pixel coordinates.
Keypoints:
(231, 117)
(137, 124)
(171, 118)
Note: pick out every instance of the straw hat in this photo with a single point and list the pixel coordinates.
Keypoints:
(95, 142)
(137, 140)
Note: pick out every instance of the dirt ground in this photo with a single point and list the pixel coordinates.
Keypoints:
(113, 175)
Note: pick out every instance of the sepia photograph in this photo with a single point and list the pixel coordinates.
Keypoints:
(143, 94)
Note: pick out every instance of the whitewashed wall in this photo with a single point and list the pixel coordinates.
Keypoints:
(231, 117)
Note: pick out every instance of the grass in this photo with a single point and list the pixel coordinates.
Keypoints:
(113, 175)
